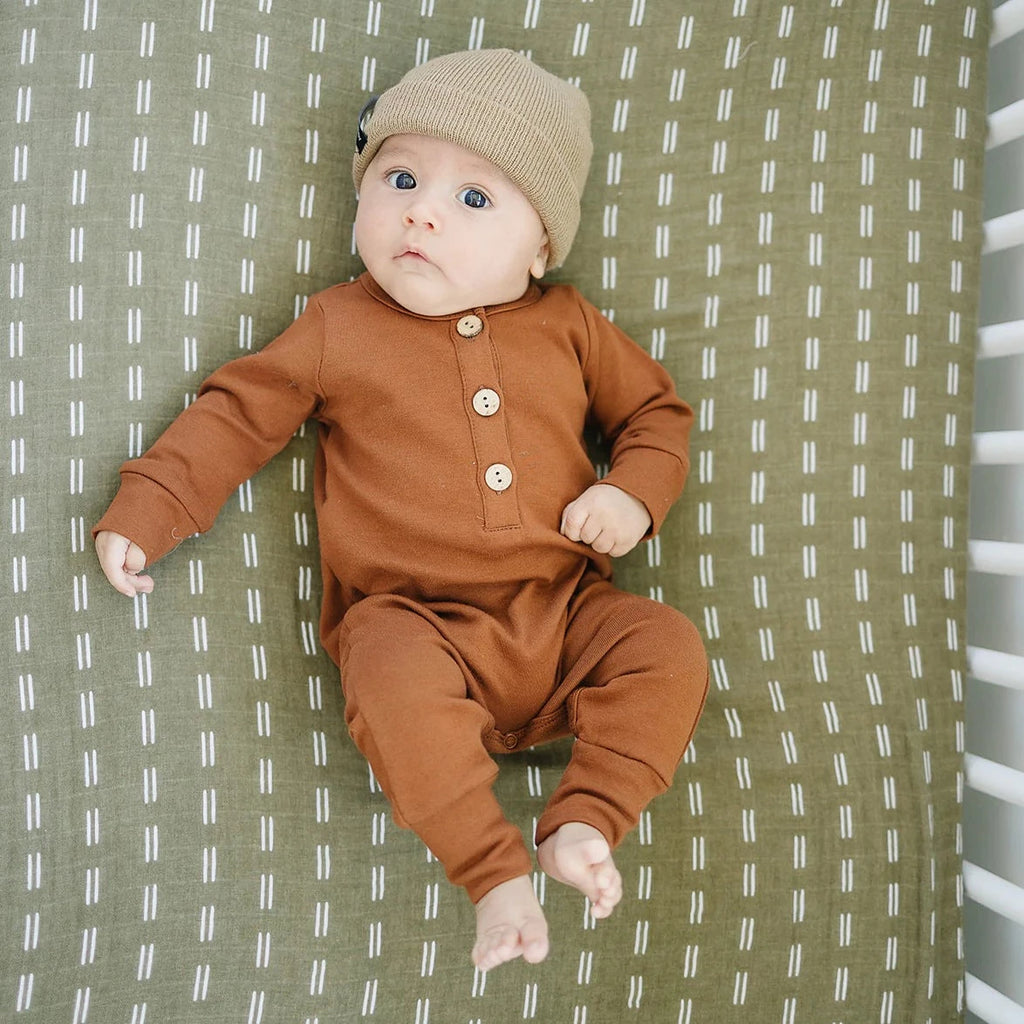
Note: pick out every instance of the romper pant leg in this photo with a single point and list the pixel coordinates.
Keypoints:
(408, 710)
(643, 679)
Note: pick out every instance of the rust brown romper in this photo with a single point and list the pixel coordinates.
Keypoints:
(463, 622)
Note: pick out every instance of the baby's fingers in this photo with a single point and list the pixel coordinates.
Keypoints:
(140, 584)
(134, 563)
(122, 561)
(134, 559)
(574, 518)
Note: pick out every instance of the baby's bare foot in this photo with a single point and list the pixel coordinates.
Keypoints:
(579, 855)
(510, 923)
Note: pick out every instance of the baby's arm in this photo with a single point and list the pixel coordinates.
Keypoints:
(245, 413)
(634, 403)
(606, 518)
(122, 561)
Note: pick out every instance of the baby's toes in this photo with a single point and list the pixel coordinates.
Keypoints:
(534, 939)
(496, 946)
(608, 891)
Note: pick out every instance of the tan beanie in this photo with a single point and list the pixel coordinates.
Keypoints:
(503, 107)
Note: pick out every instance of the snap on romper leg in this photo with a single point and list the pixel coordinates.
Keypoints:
(643, 680)
(407, 709)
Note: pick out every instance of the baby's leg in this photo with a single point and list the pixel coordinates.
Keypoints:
(408, 710)
(578, 855)
(643, 680)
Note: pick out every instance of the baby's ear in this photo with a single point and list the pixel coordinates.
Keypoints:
(540, 261)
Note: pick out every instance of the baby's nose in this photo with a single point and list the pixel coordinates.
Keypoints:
(420, 214)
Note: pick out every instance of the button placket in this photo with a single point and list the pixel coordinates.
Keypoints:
(485, 409)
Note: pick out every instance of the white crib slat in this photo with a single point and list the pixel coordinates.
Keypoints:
(996, 667)
(994, 892)
(1005, 125)
(1004, 232)
(990, 1004)
(1007, 20)
(995, 779)
(998, 448)
(1003, 339)
(1000, 558)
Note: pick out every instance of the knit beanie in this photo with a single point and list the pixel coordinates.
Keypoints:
(503, 107)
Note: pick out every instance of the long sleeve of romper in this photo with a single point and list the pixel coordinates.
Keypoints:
(634, 402)
(244, 414)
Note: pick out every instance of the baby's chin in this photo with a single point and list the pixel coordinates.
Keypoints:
(425, 289)
(461, 302)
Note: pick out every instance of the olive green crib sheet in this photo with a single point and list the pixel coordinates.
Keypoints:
(784, 209)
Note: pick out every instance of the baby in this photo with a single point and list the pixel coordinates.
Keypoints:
(465, 539)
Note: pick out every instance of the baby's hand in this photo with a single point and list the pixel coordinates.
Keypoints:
(122, 560)
(606, 518)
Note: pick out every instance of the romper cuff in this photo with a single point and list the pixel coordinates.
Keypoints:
(653, 477)
(147, 514)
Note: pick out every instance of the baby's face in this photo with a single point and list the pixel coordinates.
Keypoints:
(442, 230)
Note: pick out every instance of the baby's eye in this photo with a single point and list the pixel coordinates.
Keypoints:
(401, 179)
(474, 198)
